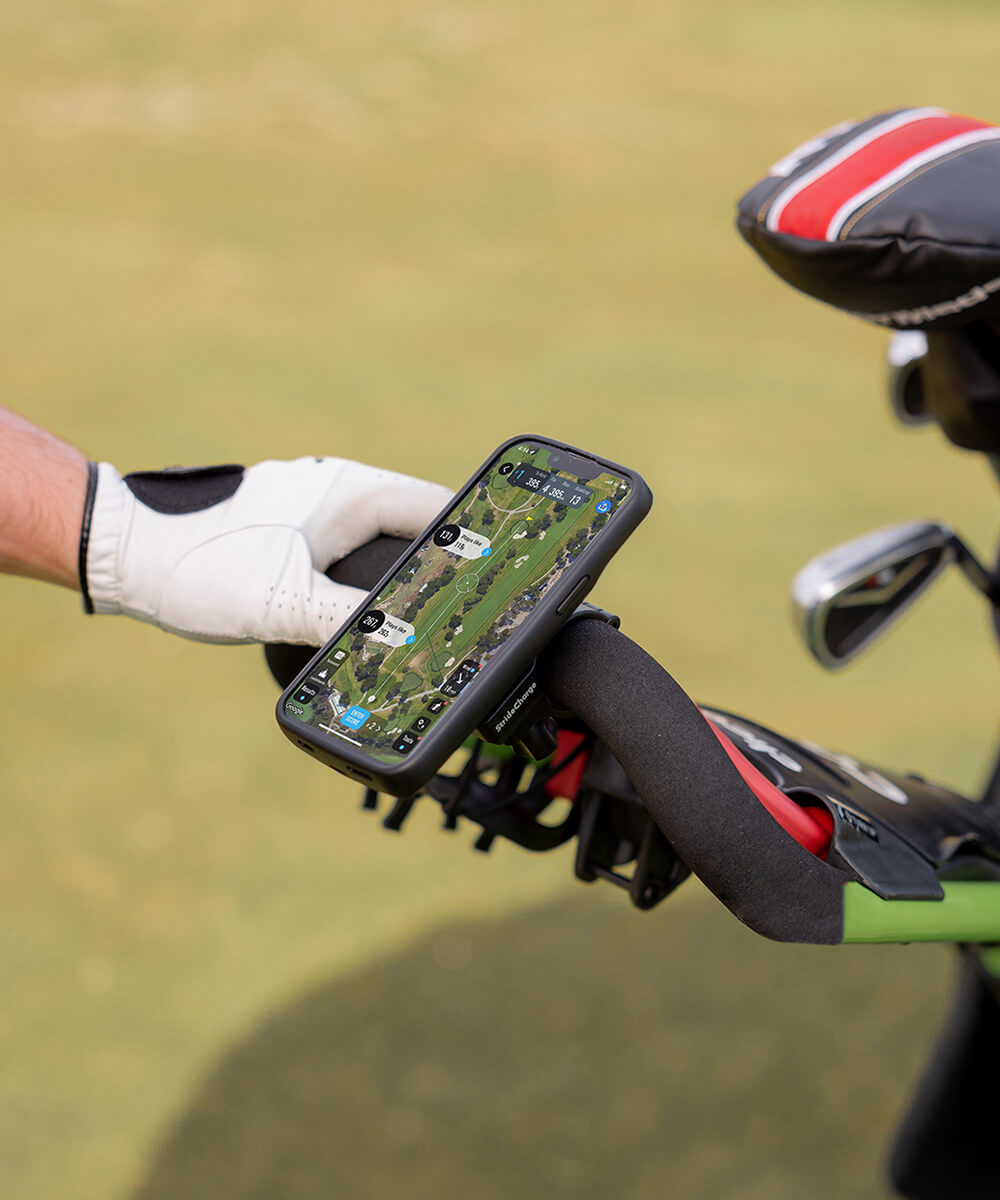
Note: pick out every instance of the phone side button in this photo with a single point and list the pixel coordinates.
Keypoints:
(575, 596)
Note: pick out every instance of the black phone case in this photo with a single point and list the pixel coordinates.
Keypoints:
(502, 672)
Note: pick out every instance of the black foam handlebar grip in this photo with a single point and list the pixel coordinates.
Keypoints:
(691, 789)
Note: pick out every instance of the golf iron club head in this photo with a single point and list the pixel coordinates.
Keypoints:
(844, 599)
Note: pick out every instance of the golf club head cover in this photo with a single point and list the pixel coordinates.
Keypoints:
(234, 554)
(893, 218)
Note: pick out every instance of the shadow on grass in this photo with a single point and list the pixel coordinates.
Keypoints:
(581, 1049)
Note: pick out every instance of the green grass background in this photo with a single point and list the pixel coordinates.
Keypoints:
(402, 232)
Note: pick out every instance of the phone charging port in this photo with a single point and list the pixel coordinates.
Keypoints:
(353, 773)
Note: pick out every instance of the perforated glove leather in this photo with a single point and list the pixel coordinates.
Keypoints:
(234, 554)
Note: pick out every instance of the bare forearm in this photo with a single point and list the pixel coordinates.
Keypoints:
(43, 485)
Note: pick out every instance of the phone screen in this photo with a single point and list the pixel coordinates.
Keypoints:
(455, 599)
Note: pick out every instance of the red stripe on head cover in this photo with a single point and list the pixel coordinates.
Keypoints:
(811, 827)
(817, 204)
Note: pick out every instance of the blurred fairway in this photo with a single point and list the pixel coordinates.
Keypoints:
(402, 232)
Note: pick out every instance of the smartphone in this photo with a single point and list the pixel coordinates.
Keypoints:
(456, 623)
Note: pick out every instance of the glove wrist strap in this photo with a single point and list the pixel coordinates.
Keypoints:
(88, 513)
(101, 567)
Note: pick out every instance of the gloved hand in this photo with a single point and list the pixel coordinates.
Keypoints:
(233, 554)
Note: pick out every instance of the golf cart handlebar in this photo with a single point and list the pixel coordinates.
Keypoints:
(787, 835)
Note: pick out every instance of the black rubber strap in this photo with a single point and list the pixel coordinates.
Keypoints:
(88, 512)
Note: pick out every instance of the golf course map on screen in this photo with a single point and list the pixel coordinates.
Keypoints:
(384, 682)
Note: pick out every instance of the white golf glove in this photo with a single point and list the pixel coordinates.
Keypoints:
(233, 554)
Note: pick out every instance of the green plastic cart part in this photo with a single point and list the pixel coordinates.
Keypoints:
(969, 912)
(990, 958)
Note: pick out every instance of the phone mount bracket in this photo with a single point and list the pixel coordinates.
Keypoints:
(526, 754)
(526, 718)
